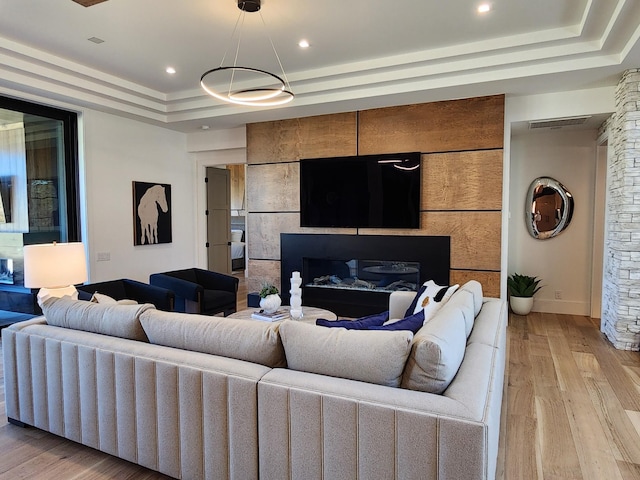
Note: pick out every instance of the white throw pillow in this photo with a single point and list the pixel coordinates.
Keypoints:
(431, 297)
(107, 300)
(365, 355)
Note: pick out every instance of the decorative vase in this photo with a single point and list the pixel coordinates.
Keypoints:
(295, 299)
(270, 303)
(521, 305)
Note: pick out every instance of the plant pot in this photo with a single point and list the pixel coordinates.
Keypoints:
(270, 303)
(521, 305)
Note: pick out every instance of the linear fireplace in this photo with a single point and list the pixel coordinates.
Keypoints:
(353, 275)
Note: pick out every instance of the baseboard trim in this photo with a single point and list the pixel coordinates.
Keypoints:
(562, 307)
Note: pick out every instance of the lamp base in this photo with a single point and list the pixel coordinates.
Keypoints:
(46, 293)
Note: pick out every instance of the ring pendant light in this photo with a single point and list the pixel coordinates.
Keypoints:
(246, 85)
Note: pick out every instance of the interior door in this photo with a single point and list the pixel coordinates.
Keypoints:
(219, 219)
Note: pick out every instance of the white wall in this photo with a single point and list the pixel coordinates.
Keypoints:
(116, 151)
(563, 262)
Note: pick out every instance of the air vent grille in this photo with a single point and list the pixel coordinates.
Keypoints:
(558, 122)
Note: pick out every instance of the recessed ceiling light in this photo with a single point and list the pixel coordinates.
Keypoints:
(484, 7)
(170, 70)
(204, 127)
(303, 44)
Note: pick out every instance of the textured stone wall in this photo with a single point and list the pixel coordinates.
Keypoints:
(621, 283)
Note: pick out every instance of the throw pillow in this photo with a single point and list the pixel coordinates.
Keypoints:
(107, 300)
(359, 324)
(368, 356)
(413, 323)
(102, 298)
(114, 320)
(437, 352)
(253, 341)
(430, 298)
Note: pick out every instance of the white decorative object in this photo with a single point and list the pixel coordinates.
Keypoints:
(270, 303)
(296, 296)
(521, 305)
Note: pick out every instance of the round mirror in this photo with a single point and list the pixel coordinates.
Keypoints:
(549, 208)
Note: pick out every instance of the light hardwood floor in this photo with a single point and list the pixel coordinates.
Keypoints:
(571, 410)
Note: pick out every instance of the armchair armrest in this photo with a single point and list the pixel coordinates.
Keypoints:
(217, 281)
(162, 298)
(182, 288)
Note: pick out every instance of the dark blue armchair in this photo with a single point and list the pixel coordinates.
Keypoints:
(200, 291)
(162, 298)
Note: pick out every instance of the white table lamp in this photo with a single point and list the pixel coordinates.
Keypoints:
(55, 268)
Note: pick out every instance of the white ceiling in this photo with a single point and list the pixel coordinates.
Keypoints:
(363, 53)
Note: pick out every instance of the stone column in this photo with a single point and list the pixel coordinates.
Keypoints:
(621, 278)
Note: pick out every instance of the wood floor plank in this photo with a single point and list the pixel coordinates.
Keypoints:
(618, 428)
(625, 390)
(634, 375)
(629, 471)
(596, 455)
(558, 453)
(521, 467)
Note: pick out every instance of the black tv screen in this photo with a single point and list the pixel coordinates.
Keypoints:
(366, 191)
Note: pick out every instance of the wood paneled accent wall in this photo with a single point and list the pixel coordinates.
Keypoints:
(461, 142)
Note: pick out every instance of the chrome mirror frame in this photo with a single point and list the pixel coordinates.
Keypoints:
(542, 187)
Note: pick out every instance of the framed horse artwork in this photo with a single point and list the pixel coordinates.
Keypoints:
(151, 213)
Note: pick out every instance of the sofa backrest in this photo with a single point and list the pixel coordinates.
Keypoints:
(115, 320)
(250, 340)
(188, 274)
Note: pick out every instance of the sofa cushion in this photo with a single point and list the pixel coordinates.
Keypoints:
(430, 298)
(256, 342)
(363, 323)
(369, 356)
(475, 288)
(115, 320)
(463, 300)
(437, 351)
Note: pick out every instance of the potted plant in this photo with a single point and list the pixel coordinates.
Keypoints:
(522, 288)
(269, 299)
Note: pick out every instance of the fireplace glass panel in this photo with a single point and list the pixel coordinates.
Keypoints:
(357, 274)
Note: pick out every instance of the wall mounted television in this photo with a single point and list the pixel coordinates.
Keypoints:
(365, 191)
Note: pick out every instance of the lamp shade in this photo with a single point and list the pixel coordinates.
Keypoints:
(53, 265)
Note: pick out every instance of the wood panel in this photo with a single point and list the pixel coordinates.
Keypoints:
(237, 186)
(475, 237)
(455, 125)
(309, 137)
(490, 281)
(273, 187)
(462, 180)
(264, 233)
(263, 271)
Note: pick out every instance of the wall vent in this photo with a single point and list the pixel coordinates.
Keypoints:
(558, 122)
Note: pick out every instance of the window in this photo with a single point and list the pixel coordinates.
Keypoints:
(39, 181)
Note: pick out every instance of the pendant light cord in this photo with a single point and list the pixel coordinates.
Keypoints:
(286, 81)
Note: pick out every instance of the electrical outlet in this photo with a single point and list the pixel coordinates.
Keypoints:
(104, 256)
(558, 294)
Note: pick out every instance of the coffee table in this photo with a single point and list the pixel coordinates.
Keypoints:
(309, 314)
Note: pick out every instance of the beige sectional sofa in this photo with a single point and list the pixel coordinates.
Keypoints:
(201, 397)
